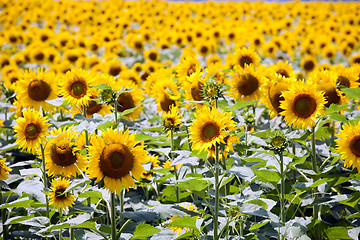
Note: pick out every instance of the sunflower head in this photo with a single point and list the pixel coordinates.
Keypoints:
(246, 56)
(31, 130)
(116, 159)
(58, 197)
(211, 90)
(171, 119)
(348, 145)
(278, 141)
(302, 104)
(4, 170)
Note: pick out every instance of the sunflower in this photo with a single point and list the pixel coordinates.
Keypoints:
(348, 145)
(327, 81)
(171, 118)
(272, 90)
(130, 99)
(283, 68)
(302, 104)
(57, 197)
(31, 130)
(62, 156)
(246, 56)
(190, 207)
(35, 88)
(188, 65)
(308, 63)
(75, 87)
(210, 128)
(246, 83)
(355, 59)
(216, 71)
(152, 55)
(4, 170)
(167, 164)
(193, 86)
(346, 76)
(116, 157)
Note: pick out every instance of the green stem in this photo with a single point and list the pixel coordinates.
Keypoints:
(175, 170)
(61, 220)
(282, 192)
(45, 179)
(87, 143)
(72, 236)
(113, 218)
(217, 190)
(3, 218)
(122, 194)
(116, 112)
(315, 169)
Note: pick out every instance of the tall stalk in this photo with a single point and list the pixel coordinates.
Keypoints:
(177, 190)
(217, 190)
(87, 143)
(3, 217)
(61, 220)
(45, 179)
(315, 169)
(282, 193)
(113, 217)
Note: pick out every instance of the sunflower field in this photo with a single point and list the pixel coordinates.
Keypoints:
(179, 120)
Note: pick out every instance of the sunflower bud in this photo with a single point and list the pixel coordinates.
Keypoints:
(108, 96)
(278, 141)
(249, 119)
(212, 90)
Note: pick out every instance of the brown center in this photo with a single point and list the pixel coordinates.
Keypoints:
(32, 131)
(61, 153)
(39, 56)
(114, 70)
(309, 65)
(210, 131)
(116, 160)
(204, 50)
(153, 56)
(59, 193)
(283, 73)
(248, 85)
(191, 70)
(78, 89)
(343, 81)
(196, 92)
(304, 106)
(125, 102)
(355, 146)
(39, 90)
(245, 60)
(166, 103)
(93, 107)
(331, 96)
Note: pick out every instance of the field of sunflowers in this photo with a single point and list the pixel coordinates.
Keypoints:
(179, 120)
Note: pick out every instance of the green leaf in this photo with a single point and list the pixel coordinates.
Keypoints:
(102, 86)
(259, 203)
(323, 132)
(194, 185)
(334, 108)
(143, 231)
(352, 93)
(258, 225)
(335, 233)
(106, 125)
(186, 222)
(321, 181)
(267, 175)
(23, 202)
(227, 180)
(239, 105)
(17, 219)
(85, 225)
(339, 117)
(40, 222)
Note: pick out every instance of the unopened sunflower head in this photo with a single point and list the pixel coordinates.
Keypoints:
(212, 90)
(108, 96)
(278, 142)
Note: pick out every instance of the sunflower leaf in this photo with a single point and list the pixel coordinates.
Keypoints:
(143, 231)
(352, 93)
(239, 105)
(337, 233)
(184, 222)
(267, 175)
(20, 203)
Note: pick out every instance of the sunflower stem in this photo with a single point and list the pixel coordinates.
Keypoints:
(172, 160)
(45, 179)
(315, 169)
(61, 220)
(122, 194)
(3, 217)
(87, 143)
(217, 190)
(282, 192)
(113, 218)
(72, 236)
(116, 112)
